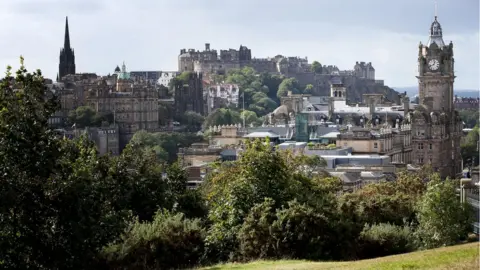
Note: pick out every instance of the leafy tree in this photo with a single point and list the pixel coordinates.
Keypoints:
(260, 173)
(470, 117)
(469, 148)
(250, 118)
(57, 205)
(386, 239)
(165, 145)
(289, 84)
(316, 67)
(170, 241)
(85, 116)
(442, 219)
(222, 116)
(193, 120)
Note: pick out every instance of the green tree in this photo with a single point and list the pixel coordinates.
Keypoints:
(56, 199)
(222, 116)
(470, 117)
(250, 118)
(442, 219)
(170, 241)
(165, 145)
(85, 116)
(316, 67)
(289, 84)
(193, 121)
(469, 148)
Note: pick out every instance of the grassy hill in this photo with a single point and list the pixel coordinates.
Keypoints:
(464, 256)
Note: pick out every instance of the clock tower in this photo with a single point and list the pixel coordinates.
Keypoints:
(436, 72)
(436, 126)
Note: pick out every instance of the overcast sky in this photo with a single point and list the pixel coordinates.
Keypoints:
(148, 34)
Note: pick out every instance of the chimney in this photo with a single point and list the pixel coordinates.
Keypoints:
(207, 46)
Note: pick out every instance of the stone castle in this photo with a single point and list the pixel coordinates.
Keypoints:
(359, 80)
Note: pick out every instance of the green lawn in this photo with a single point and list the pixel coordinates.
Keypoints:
(464, 256)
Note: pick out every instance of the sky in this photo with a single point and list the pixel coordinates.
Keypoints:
(148, 34)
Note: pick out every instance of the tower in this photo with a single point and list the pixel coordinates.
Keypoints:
(436, 126)
(67, 56)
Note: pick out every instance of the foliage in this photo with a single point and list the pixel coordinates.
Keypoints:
(288, 84)
(85, 116)
(192, 120)
(168, 242)
(469, 148)
(308, 89)
(56, 207)
(251, 118)
(140, 188)
(222, 116)
(316, 67)
(385, 239)
(260, 173)
(470, 117)
(442, 219)
(258, 90)
(165, 145)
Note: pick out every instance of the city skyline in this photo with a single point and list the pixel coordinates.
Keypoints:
(105, 33)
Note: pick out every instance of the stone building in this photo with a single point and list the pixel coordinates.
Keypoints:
(189, 95)
(364, 70)
(436, 126)
(67, 56)
(210, 61)
(221, 95)
(134, 104)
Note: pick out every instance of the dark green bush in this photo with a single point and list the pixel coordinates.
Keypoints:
(169, 241)
(385, 239)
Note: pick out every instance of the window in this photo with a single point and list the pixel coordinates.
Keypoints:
(420, 160)
(375, 145)
(420, 146)
(431, 146)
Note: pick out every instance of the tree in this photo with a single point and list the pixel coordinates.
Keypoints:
(469, 148)
(165, 145)
(85, 116)
(56, 199)
(289, 84)
(250, 118)
(308, 89)
(222, 116)
(193, 120)
(316, 67)
(442, 219)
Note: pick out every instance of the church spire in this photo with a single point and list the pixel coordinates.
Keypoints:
(66, 43)
(67, 56)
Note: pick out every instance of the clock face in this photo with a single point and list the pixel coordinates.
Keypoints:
(433, 64)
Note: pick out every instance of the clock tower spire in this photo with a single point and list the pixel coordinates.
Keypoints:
(436, 73)
(436, 126)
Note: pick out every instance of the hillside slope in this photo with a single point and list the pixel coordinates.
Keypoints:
(464, 256)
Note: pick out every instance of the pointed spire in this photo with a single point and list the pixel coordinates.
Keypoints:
(436, 9)
(67, 35)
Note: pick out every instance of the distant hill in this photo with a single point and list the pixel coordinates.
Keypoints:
(413, 90)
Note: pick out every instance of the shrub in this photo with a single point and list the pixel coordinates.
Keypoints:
(169, 241)
(385, 239)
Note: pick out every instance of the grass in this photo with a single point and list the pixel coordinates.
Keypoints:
(459, 257)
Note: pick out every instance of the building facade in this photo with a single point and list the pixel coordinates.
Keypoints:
(436, 126)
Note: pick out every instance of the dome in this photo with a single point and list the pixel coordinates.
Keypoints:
(117, 69)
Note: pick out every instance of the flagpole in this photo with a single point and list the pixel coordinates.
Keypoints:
(243, 109)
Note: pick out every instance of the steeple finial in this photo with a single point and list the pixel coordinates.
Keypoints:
(436, 7)
(66, 44)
